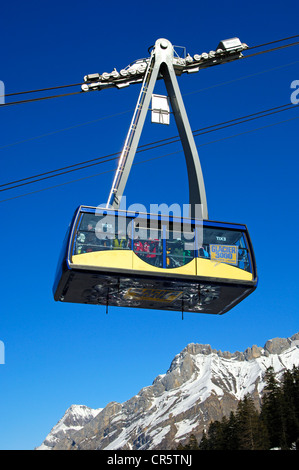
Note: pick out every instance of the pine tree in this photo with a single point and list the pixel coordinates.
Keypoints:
(272, 413)
(216, 436)
(248, 425)
(204, 443)
(231, 433)
(192, 444)
(290, 393)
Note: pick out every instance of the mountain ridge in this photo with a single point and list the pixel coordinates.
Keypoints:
(201, 384)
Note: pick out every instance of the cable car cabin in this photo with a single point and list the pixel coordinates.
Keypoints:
(139, 260)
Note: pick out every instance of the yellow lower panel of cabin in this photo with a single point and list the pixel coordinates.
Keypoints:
(128, 260)
(208, 268)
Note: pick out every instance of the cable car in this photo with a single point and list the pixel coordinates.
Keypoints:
(127, 259)
(165, 262)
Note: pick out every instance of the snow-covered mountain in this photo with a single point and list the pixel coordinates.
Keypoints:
(73, 420)
(201, 385)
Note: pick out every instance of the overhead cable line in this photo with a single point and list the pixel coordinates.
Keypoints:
(47, 134)
(41, 89)
(51, 133)
(270, 50)
(142, 148)
(145, 161)
(78, 84)
(41, 98)
(274, 42)
(225, 124)
(130, 110)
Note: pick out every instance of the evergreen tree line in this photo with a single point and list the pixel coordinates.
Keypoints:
(276, 425)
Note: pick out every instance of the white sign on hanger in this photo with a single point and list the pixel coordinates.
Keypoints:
(160, 109)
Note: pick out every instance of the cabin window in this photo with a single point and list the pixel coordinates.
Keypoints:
(164, 244)
(102, 232)
(225, 246)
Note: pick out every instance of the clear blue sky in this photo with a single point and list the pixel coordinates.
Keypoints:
(58, 354)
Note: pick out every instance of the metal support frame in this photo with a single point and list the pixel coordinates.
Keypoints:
(161, 64)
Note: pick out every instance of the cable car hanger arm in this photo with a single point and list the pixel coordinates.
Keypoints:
(161, 63)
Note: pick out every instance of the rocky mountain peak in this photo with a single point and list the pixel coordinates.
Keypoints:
(279, 345)
(272, 346)
(201, 385)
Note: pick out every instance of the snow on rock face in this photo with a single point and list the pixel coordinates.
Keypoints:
(74, 419)
(201, 385)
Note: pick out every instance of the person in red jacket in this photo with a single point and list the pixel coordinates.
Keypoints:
(138, 246)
